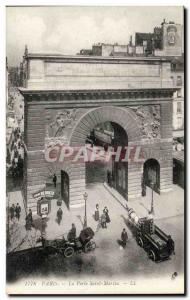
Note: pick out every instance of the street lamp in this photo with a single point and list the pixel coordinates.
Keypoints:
(85, 216)
(152, 200)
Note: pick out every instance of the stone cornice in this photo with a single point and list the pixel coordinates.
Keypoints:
(86, 95)
(95, 59)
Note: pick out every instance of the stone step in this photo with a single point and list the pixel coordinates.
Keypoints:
(77, 195)
(77, 189)
(76, 205)
(75, 198)
(77, 183)
(76, 176)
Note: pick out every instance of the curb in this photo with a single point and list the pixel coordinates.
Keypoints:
(155, 218)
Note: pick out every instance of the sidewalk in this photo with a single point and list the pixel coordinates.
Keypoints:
(165, 206)
(19, 238)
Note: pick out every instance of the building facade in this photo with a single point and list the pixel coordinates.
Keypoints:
(177, 75)
(68, 96)
(165, 41)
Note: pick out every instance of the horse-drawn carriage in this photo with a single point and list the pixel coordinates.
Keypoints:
(158, 245)
(83, 243)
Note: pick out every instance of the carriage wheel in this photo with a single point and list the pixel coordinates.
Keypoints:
(152, 255)
(140, 242)
(68, 252)
(90, 246)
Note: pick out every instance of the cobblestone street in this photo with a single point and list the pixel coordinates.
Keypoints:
(109, 259)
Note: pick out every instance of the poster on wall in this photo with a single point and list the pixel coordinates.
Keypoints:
(95, 150)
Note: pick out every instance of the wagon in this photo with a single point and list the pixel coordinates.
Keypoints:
(158, 245)
(83, 243)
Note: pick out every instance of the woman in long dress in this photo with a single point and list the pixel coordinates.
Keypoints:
(97, 214)
(107, 214)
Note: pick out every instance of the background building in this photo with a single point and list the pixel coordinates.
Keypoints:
(165, 41)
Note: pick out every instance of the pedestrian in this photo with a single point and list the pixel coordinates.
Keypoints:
(17, 211)
(54, 180)
(12, 211)
(29, 220)
(103, 220)
(106, 214)
(59, 215)
(124, 237)
(143, 186)
(97, 214)
(72, 233)
(109, 177)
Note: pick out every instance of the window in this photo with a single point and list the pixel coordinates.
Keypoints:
(145, 43)
(179, 81)
(179, 122)
(172, 79)
(179, 107)
(173, 67)
(179, 94)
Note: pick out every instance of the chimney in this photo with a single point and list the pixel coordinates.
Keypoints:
(131, 40)
(26, 51)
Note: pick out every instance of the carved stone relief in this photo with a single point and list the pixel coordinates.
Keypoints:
(58, 130)
(149, 120)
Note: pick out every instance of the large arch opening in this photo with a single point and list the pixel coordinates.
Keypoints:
(108, 136)
(125, 125)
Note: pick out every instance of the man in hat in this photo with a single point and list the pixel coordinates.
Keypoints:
(12, 211)
(72, 233)
(17, 211)
(59, 215)
(29, 220)
(124, 237)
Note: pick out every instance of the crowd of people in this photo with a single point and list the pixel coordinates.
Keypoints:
(16, 155)
(104, 219)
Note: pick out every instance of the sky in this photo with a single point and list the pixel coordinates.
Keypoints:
(67, 29)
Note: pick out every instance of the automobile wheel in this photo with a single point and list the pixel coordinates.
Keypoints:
(152, 255)
(140, 242)
(68, 252)
(90, 246)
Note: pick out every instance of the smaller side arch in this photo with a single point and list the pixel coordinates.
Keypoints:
(151, 175)
(65, 187)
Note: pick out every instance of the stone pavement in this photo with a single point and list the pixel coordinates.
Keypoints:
(165, 206)
(14, 198)
(19, 238)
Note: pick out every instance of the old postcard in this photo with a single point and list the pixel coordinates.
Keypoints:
(95, 150)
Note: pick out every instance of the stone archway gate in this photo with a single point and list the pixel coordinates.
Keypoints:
(67, 96)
